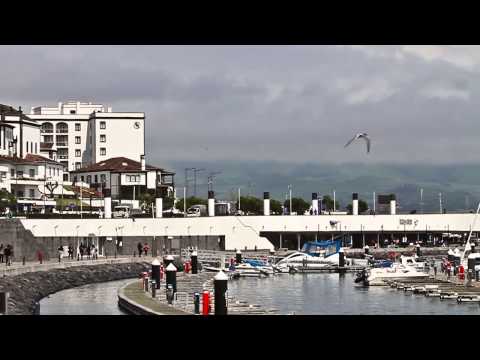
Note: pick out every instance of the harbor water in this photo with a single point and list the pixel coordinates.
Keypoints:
(93, 299)
(301, 294)
(335, 294)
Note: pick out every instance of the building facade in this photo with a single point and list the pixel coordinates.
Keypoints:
(127, 179)
(86, 133)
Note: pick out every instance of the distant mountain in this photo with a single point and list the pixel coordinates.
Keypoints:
(459, 184)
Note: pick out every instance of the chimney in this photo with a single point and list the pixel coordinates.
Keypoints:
(60, 107)
(315, 204)
(211, 203)
(142, 161)
(355, 204)
(266, 203)
(393, 205)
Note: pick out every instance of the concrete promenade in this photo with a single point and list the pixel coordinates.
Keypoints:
(17, 267)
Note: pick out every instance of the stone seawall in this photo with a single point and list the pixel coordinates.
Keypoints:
(26, 289)
(383, 252)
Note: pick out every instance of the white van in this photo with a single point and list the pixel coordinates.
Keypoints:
(121, 211)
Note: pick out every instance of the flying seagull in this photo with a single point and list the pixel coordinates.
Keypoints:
(361, 136)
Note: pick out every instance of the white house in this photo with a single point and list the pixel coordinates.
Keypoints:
(87, 133)
(126, 178)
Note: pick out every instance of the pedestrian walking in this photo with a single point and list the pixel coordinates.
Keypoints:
(7, 255)
(70, 252)
(139, 247)
(94, 252)
(89, 251)
(60, 252)
(146, 248)
(82, 249)
(2, 250)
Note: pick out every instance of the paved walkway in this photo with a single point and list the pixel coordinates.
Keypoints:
(17, 268)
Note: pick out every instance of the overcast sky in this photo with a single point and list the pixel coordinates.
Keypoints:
(283, 103)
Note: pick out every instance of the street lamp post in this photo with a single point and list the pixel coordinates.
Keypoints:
(334, 205)
(290, 191)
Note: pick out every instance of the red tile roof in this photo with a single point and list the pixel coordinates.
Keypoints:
(29, 159)
(118, 164)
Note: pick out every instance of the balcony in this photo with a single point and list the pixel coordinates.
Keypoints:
(62, 143)
(62, 131)
(46, 131)
(62, 157)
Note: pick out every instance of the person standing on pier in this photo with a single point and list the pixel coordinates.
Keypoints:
(2, 249)
(139, 247)
(146, 248)
(7, 255)
(70, 252)
(82, 249)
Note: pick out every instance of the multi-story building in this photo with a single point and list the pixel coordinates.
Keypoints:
(85, 133)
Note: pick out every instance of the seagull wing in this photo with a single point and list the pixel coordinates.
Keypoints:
(352, 140)
(367, 139)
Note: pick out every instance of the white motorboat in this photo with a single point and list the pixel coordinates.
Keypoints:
(248, 270)
(408, 268)
(300, 259)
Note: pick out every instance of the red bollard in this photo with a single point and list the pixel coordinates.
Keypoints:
(461, 273)
(162, 272)
(206, 302)
(40, 256)
(186, 267)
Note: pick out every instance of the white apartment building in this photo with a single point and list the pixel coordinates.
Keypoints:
(85, 133)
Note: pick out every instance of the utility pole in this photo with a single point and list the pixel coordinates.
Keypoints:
(421, 200)
(440, 200)
(374, 203)
(210, 178)
(186, 178)
(290, 190)
(334, 205)
(239, 199)
(195, 170)
(184, 201)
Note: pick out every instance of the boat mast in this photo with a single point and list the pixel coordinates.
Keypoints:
(467, 244)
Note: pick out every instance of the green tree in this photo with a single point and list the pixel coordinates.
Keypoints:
(275, 207)
(7, 200)
(192, 200)
(362, 207)
(298, 204)
(251, 204)
(328, 203)
(168, 202)
(146, 200)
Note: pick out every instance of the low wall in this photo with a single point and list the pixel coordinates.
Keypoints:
(26, 289)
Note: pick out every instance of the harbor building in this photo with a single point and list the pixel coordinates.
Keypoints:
(127, 179)
(84, 133)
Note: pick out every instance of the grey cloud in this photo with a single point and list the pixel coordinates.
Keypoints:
(292, 103)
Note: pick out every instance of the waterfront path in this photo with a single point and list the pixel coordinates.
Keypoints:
(135, 300)
(18, 268)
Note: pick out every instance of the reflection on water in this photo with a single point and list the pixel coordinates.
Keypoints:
(93, 299)
(334, 294)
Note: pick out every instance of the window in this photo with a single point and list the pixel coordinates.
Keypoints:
(72, 111)
(32, 193)
(27, 146)
(78, 127)
(12, 173)
(19, 173)
(103, 151)
(74, 179)
(3, 176)
(133, 178)
(32, 173)
(103, 125)
(78, 153)
(96, 179)
(49, 171)
(36, 148)
(103, 138)
(82, 179)
(103, 178)
(20, 194)
(78, 165)
(77, 140)
(89, 179)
